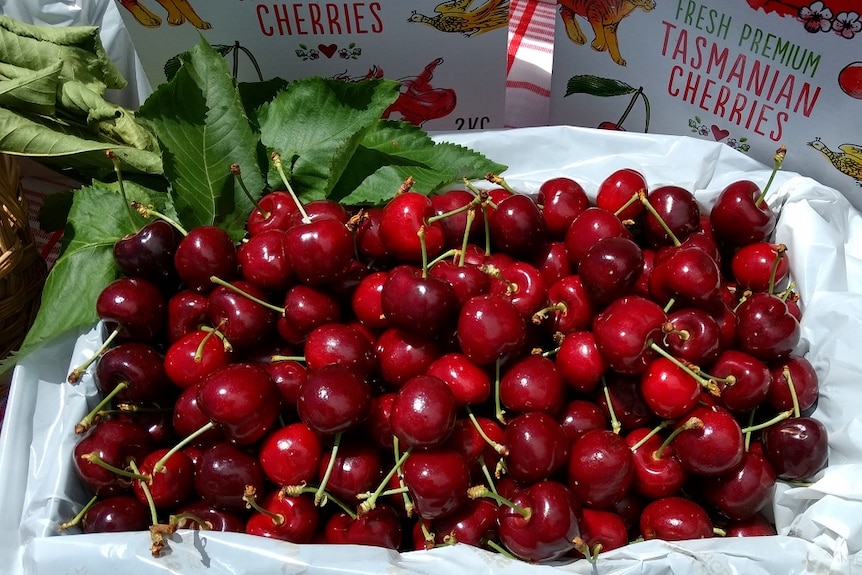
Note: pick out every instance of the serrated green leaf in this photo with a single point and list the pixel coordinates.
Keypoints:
(97, 219)
(30, 91)
(393, 151)
(202, 130)
(597, 86)
(317, 124)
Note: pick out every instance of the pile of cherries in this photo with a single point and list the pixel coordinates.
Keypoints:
(546, 376)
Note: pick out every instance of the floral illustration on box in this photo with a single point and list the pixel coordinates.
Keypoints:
(606, 88)
(179, 12)
(718, 134)
(847, 160)
(350, 52)
(838, 16)
(604, 16)
(418, 101)
(462, 16)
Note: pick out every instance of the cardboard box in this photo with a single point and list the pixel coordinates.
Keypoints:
(754, 74)
(450, 55)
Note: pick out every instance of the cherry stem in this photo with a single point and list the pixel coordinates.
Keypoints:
(591, 555)
(496, 446)
(719, 532)
(635, 197)
(371, 501)
(453, 212)
(218, 281)
(792, 389)
(94, 458)
(80, 515)
(297, 490)
(495, 179)
(185, 441)
(119, 172)
(236, 172)
(87, 420)
(408, 504)
(329, 467)
(780, 417)
(670, 303)
(478, 491)
(423, 248)
(276, 161)
(191, 517)
(445, 255)
(488, 477)
(498, 406)
(76, 374)
(471, 218)
(709, 383)
(287, 358)
(500, 549)
(683, 334)
(690, 423)
(780, 250)
(154, 516)
(778, 159)
(542, 314)
(649, 207)
(631, 105)
(250, 498)
(616, 426)
(750, 424)
(652, 433)
(149, 211)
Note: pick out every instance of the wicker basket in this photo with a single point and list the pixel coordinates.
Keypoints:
(22, 269)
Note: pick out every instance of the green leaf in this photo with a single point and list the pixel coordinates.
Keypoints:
(30, 91)
(316, 124)
(202, 130)
(393, 151)
(597, 86)
(97, 219)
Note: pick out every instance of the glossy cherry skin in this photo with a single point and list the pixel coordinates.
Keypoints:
(797, 448)
(600, 468)
(455, 224)
(759, 265)
(418, 303)
(424, 412)
(262, 261)
(679, 210)
(693, 335)
(600, 527)
(319, 252)
(300, 518)
(561, 200)
(333, 399)
(579, 416)
(517, 226)
(369, 242)
(610, 268)
(242, 399)
(291, 455)
(379, 527)
(139, 368)
(273, 212)
(400, 222)
(194, 356)
(367, 301)
(552, 261)
(750, 384)
(438, 480)
(120, 513)
(589, 227)
(537, 446)
(222, 473)
(490, 327)
(474, 522)
(357, 467)
(171, 485)
(712, 447)
(532, 383)
(617, 189)
(738, 218)
(470, 384)
(624, 331)
(467, 280)
(523, 284)
(215, 519)
(796, 369)
(244, 322)
(205, 252)
(668, 390)
(133, 306)
(188, 418)
(548, 533)
(114, 441)
(742, 492)
(149, 253)
(570, 306)
(306, 308)
(404, 355)
(579, 361)
(186, 312)
(765, 328)
(689, 276)
(657, 473)
(675, 519)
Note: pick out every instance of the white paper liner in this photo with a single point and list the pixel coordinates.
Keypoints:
(820, 527)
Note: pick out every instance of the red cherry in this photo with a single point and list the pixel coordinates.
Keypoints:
(297, 518)
(537, 446)
(532, 384)
(273, 212)
(561, 200)
(760, 266)
(194, 356)
(675, 519)
(333, 399)
(765, 328)
(739, 215)
(668, 390)
(490, 328)
(624, 331)
(438, 480)
(400, 222)
(617, 189)
(517, 226)
(600, 468)
(713, 446)
(205, 252)
(657, 472)
(291, 455)
(470, 384)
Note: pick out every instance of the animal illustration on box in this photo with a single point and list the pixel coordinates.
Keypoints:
(847, 160)
(466, 17)
(604, 16)
(178, 12)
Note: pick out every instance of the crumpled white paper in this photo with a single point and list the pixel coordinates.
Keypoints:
(820, 526)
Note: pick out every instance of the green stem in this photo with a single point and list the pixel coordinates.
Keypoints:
(276, 161)
(185, 441)
(154, 516)
(80, 515)
(218, 281)
(778, 159)
(616, 426)
(87, 420)
(119, 172)
(690, 423)
(147, 211)
(371, 500)
(482, 491)
(651, 434)
(318, 495)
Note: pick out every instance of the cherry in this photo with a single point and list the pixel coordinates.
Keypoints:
(369, 241)
(115, 442)
(206, 251)
(532, 383)
(186, 312)
(710, 442)
(692, 335)
(750, 384)
(367, 301)
(194, 356)
(417, 302)
(291, 455)
(471, 436)
(796, 370)
(570, 306)
(272, 213)
(340, 343)
(149, 253)
(322, 209)
(668, 390)
(765, 327)
(742, 492)
(677, 209)
(797, 448)
(262, 261)
(404, 355)
(138, 370)
(657, 472)
(740, 216)
(757, 526)
(621, 400)
(306, 308)
(624, 331)
(600, 468)
(602, 530)
(320, 251)
(675, 518)
(400, 222)
(579, 361)
(544, 523)
(171, 485)
(438, 480)
(688, 276)
(579, 416)
(561, 201)
(188, 419)
(760, 266)
(242, 399)
(215, 519)
(243, 321)
(287, 518)
(455, 223)
(116, 514)
(423, 412)
(522, 283)
(618, 189)
(471, 524)
(610, 268)
(355, 468)
(537, 446)
(490, 328)
(134, 307)
(467, 280)
(470, 384)
(222, 473)
(590, 226)
(517, 226)
(380, 527)
(552, 261)
(334, 398)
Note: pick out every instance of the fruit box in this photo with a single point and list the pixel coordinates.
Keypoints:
(819, 525)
